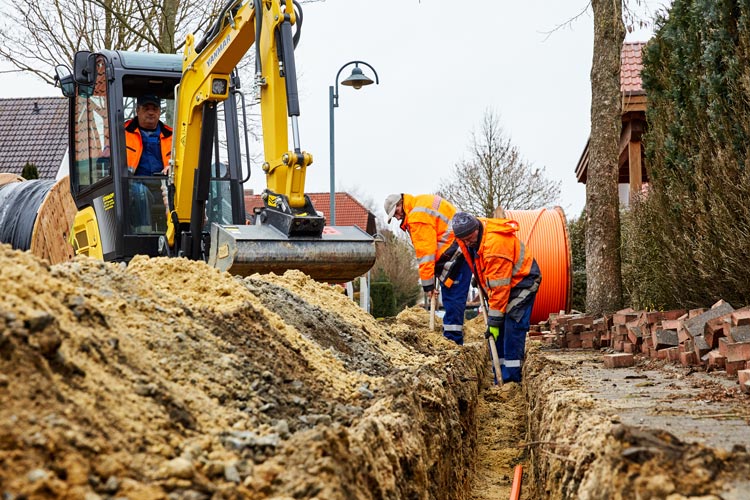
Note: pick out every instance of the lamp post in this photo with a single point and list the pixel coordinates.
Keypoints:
(357, 80)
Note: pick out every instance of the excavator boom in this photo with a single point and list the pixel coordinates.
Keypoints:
(289, 233)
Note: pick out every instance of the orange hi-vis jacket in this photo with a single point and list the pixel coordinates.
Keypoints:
(134, 144)
(427, 220)
(503, 267)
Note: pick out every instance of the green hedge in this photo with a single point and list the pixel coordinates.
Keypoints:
(687, 244)
(30, 172)
(577, 234)
(383, 299)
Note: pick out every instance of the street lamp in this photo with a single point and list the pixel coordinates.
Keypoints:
(357, 80)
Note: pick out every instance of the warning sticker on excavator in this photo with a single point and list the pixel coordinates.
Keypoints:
(108, 200)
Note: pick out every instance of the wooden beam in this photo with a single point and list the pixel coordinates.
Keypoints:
(637, 123)
(633, 103)
(625, 136)
(583, 163)
(634, 160)
(622, 166)
(633, 126)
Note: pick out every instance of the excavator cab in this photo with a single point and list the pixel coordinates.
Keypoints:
(121, 214)
(197, 210)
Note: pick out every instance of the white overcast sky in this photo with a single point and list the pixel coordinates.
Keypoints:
(441, 64)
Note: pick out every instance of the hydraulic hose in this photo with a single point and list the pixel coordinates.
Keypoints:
(258, 27)
(298, 32)
(216, 27)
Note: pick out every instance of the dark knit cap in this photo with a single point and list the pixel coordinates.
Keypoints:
(148, 99)
(464, 224)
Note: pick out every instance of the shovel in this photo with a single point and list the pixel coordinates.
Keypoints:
(491, 341)
(433, 304)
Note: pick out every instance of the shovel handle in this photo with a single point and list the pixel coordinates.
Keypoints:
(433, 304)
(495, 360)
(491, 341)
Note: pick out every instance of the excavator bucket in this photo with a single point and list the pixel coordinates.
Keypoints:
(340, 255)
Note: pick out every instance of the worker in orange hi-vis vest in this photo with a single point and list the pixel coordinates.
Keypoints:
(509, 276)
(426, 218)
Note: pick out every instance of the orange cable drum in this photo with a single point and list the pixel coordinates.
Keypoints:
(545, 234)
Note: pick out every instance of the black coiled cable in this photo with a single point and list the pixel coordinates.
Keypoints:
(19, 205)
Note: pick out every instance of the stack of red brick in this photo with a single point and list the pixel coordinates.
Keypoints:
(717, 338)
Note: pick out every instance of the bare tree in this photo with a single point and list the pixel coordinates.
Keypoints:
(603, 266)
(36, 35)
(395, 261)
(603, 269)
(497, 176)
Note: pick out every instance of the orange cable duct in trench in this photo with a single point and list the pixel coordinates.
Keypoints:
(515, 489)
(545, 234)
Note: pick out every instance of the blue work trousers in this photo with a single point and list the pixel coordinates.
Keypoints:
(454, 303)
(511, 343)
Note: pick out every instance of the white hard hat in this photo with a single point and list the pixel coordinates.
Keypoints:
(390, 205)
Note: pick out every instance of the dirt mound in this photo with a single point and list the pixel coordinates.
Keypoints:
(169, 379)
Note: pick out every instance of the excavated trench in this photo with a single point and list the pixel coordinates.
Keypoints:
(166, 379)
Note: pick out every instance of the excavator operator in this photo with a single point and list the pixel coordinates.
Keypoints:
(148, 143)
(146, 133)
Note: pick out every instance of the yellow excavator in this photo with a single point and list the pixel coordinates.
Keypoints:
(197, 210)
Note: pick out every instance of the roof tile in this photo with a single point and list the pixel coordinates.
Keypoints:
(631, 64)
(33, 130)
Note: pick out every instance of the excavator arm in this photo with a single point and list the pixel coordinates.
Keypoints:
(207, 66)
(288, 232)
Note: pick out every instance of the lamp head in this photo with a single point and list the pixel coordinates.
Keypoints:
(357, 79)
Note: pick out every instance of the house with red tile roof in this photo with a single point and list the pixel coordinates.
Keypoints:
(349, 211)
(34, 130)
(631, 168)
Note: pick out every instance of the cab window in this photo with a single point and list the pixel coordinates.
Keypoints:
(91, 148)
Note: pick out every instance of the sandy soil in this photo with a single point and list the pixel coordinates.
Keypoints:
(168, 379)
(501, 422)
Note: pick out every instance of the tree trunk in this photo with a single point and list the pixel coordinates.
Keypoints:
(604, 281)
(167, 28)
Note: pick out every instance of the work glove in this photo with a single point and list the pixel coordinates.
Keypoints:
(494, 331)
